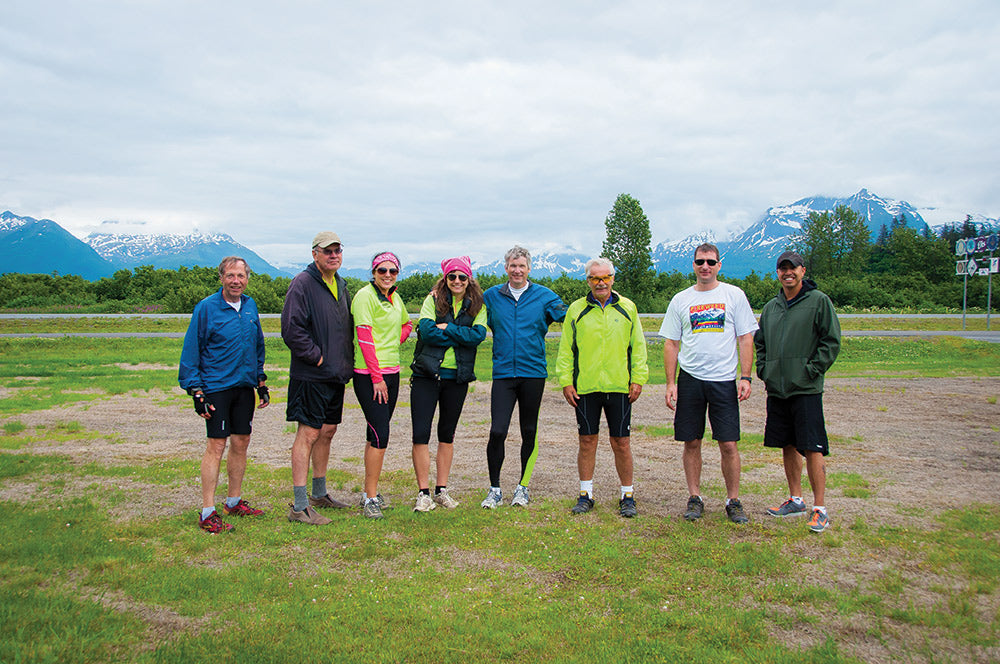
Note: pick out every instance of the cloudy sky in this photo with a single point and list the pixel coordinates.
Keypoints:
(439, 128)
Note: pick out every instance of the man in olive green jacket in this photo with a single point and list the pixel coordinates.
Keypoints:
(797, 342)
(602, 367)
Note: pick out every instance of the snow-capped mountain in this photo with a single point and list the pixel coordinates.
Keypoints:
(756, 247)
(548, 264)
(172, 250)
(41, 246)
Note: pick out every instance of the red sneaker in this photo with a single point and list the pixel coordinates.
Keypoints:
(241, 508)
(214, 524)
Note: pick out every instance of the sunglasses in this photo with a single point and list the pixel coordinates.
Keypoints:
(389, 270)
(601, 280)
(458, 275)
(701, 261)
(332, 251)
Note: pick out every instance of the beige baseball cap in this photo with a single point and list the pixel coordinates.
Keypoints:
(325, 239)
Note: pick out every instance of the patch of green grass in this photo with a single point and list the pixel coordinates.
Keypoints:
(655, 430)
(13, 427)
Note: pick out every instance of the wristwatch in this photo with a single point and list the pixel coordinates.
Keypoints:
(746, 378)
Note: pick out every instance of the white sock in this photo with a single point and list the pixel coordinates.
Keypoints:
(587, 486)
(796, 499)
(821, 508)
(626, 489)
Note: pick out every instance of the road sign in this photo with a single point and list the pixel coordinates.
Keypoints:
(980, 244)
(971, 266)
(959, 247)
(995, 265)
(960, 268)
(992, 241)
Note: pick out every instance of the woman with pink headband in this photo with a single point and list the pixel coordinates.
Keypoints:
(381, 325)
(452, 325)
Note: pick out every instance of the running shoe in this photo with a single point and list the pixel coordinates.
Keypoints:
(241, 508)
(583, 504)
(308, 515)
(443, 499)
(327, 501)
(372, 510)
(214, 524)
(493, 499)
(819, 522)
(424, 503)
(734, 510)
(521, 497)
(626, 506)
(787, 508)
(382, 502)
(695, 508)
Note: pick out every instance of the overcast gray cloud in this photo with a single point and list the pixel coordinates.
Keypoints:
(441, 128)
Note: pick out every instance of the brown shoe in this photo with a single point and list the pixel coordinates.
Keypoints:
(327, 501)
(308, 515)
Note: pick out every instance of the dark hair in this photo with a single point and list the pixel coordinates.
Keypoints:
(442, 296)
(706, 247)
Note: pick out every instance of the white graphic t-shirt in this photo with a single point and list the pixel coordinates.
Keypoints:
(707, 324)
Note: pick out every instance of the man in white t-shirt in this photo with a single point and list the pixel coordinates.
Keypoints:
(708, 329)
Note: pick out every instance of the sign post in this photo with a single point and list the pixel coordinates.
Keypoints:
(985, 266)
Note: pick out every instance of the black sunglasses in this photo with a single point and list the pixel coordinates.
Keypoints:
(390, 270)
(701, 261)
(458, 275)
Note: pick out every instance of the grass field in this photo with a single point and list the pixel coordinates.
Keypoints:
(81, 583)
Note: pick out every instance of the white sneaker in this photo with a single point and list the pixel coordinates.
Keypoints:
(521, 497)
(424, 503)
(493, 498)
(444, 500)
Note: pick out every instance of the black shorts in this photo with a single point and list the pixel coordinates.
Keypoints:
(616, 407)
(314, 403)
(797, 421)
(377, 415)
(233, 412)
(722, 401)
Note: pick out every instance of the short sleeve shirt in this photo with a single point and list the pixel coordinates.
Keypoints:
(707, 324)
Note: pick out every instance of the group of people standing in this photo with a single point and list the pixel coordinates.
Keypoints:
(710, 336)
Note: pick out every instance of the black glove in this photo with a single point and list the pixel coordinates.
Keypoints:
(201, 406)
(264, 394)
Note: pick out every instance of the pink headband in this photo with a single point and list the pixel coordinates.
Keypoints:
(458, 264)
(383, 257)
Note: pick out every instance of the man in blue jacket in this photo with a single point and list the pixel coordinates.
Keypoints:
(222, 361)
(519, 314)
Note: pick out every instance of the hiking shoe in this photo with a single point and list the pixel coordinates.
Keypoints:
(695, 508)
(734, 510)
(424, 503)
(327, 501)
(626, 506)
(372, 509)
(583, 504)
(214, 524)
(444, 500)
(493, 498)
(787, 508)
(241, 508)
(308, 515)
(819, 522)
(521, 497)
(382, 502)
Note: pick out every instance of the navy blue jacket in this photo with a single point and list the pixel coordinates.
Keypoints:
(315, 324)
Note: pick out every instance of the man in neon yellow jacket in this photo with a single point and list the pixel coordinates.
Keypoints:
(602, 367)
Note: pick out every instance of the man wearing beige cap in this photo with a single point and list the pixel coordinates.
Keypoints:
(316, 327)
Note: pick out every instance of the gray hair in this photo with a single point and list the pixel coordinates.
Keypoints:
(229, 260)
(517, 252)
(599, 262)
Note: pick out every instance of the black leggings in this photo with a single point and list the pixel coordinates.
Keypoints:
(527, 394)
(426, 394)
(377, 414)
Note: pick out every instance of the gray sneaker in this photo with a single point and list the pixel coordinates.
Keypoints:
(626, 506)
(583, 504)
(734, 510)
(308, 515)
(444, 500)
(521, 497)
(424, 503)
(788, 508)
(327, 501)
(493, 498)
(382, 502)
(695, 508)
(372, 510)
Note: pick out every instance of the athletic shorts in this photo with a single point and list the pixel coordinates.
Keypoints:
(797, 421)
(616, 408)
(721, 400)
(233, 412)
(314, 403)
(377, 414)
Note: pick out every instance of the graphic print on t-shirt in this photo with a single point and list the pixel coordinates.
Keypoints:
(708, 317)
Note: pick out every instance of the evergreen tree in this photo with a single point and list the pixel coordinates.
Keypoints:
(627, 246)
